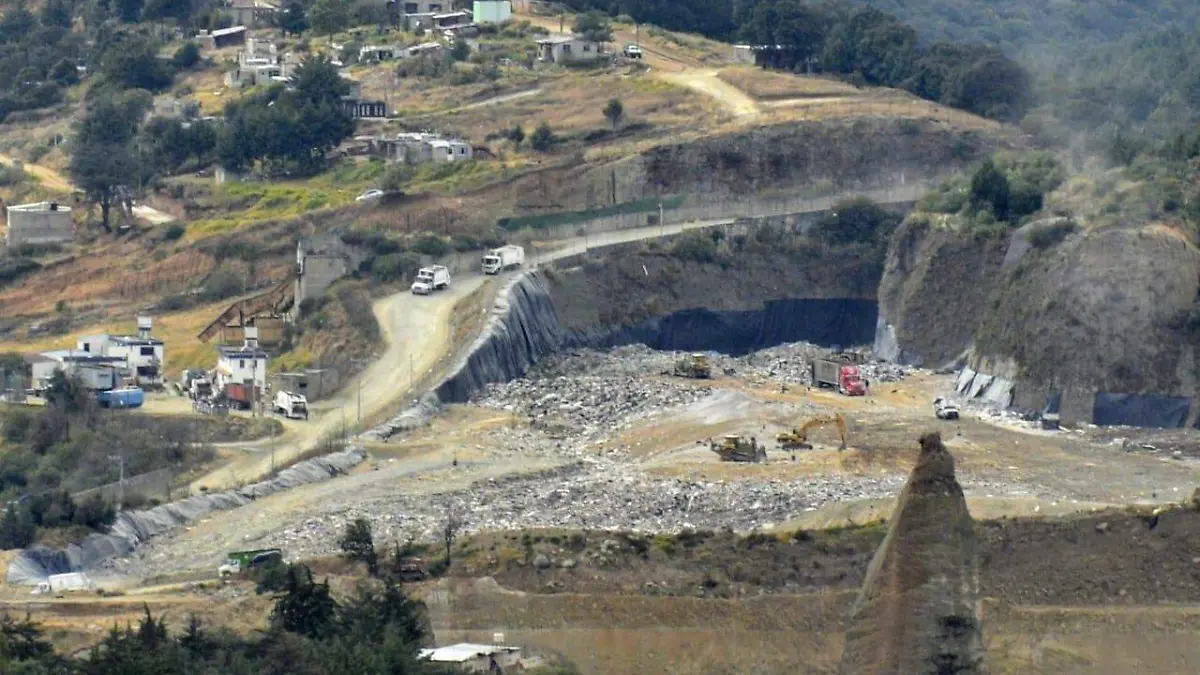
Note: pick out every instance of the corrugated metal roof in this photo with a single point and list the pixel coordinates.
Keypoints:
(463, 652)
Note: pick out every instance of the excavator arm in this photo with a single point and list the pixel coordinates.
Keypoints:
(799, 437)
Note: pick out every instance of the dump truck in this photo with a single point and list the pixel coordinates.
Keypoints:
(840, 375)
(64, 583)
(132, 397)
(238, 395)
(291, 405)
(797, 438)
(739, 449)
(429, 279)
(503, 258)
(693, 365)
(239, 561)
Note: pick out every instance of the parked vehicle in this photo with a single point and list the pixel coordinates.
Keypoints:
(432, 278)
(503, 258)
(64, 583)
(945, 409)
(248, 560)
(290, 405)
(369, 195)
(633, 51)
(122, 398)
(240, 396)
(840, 375)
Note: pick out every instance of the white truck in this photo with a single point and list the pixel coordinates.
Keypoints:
(432, 278)
(945, 409)
(64, 583)
(503, 258)
(291, 405)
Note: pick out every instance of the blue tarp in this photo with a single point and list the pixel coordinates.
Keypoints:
(1140, 410)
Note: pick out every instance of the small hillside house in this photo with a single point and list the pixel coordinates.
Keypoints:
(567, 49)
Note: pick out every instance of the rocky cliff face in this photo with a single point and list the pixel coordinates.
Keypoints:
(1104, 311)
(918, 612)
(1108, 309)
(934, 292)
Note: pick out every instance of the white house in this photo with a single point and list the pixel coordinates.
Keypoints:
(562, 48)
(258, 65)
(245, 364)
(492, 11)
(475, 658)
(96, 371)
(143, 358)
(450, 150)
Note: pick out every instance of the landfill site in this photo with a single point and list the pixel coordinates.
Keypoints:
(781, 473)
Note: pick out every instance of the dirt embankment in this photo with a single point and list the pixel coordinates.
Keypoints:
(1104, 310)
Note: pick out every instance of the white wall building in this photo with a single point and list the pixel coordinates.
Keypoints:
(475, 658)
(562, 48)
(246, 364)
(450, 150)
(97, 372)
(143, 357)
(492, 11)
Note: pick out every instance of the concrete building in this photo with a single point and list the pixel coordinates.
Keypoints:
(475, 658)
(426, 6)
(253, 13)
(245, 364)
(419, 148)
(225, 37)
(379, 52)
(563, 48)
(97, 372)
(491, 11)
(314, 383)
(40, 223)
(320, 261)
(143, 357)
(258, 64)
(450, 150)
(451, 20)
(432, 49)
(359, 107)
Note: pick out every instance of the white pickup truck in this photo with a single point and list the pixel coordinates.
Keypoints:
(432, 278)
(945, 409)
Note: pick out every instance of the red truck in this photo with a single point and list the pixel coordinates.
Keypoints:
(831, 373)
(240, 396)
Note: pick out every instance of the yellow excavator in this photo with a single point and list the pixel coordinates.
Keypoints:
(797, 438)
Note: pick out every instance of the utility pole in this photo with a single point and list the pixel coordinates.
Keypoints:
(662, 224)
(120, 460)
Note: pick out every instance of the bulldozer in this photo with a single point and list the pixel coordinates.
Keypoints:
(797, 438)
(739, 449)
(693, 365)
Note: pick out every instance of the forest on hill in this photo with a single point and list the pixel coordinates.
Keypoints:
(1104, 72)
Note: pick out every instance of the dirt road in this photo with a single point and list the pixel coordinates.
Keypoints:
(48, 177)
(706, 82)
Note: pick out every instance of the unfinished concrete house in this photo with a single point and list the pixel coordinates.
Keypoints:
(40, 223)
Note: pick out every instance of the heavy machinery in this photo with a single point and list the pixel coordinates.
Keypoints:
(693, 365)
(739, 449)
(797, 438)
(839, 374)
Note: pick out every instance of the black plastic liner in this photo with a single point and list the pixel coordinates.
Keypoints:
(1140, 410)
(836, 322)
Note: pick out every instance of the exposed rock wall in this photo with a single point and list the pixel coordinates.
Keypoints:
(934, 292)
(1104, 311)
(919, 612)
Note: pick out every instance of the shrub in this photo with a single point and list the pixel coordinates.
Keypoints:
(1051, 233)
(431, 245)
(543, 139)
(695, 247)
(173, 232)
(224, 282)
(186, 56)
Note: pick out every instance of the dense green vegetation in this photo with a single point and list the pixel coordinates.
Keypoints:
(378, 631)
(289, 128)
(68, 447)
(1004, 192)
(861, 43)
